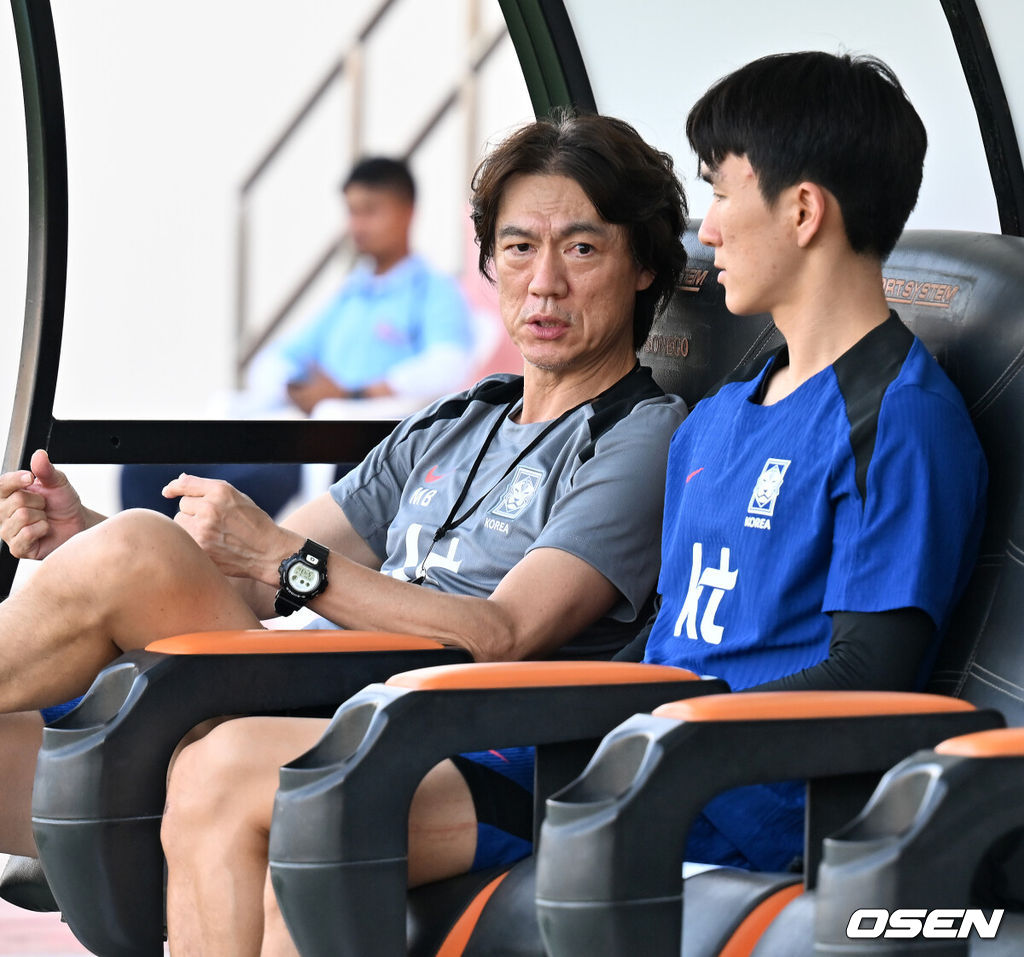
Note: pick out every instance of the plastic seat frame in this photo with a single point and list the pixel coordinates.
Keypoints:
(966, 276)
(339, 830)
(941, 832)
(980, 346)
(101, 777)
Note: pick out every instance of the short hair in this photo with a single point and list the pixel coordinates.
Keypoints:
(629, 183)
(383, 172)
(843, 122)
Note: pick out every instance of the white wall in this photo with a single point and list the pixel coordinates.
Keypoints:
(682, 48)
(167, 107)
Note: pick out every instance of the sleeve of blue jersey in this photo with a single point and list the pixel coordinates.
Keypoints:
(911, 542)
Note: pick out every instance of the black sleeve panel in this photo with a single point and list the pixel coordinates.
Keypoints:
(869, 651)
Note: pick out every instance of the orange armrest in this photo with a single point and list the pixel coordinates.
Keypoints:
(536, 674)
(259, 641)
(788, 705)
(998, 743)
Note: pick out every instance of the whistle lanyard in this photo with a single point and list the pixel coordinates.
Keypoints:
(451, 522)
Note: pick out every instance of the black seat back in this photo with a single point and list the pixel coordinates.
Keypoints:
(697, 342)
(967, 293)
(963, 295)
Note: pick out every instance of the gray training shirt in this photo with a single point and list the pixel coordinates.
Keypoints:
(592, 486)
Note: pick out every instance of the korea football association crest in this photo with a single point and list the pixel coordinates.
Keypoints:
(766, 493)
(519, 492)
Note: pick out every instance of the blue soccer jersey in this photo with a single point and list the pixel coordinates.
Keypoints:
(861, 491)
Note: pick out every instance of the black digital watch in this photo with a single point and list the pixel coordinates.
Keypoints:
(303, 577)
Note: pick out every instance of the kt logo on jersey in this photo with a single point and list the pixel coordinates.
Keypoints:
(766, 493)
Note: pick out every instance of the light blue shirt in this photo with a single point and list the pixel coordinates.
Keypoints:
(376, 322)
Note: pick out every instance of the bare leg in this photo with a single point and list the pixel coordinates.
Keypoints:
(215, 832)
(442, 826)
(133, 579)
(20, 737)
(217, 825)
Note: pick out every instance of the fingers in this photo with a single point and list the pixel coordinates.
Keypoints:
(215, 491)
(205, 501)
(175, 487)
(22, 514)
(188, 522)
(42, 471)
(46, 475)
(25, 542)
(23, 522)
(194, 496)
(192, 485)
(11, 482)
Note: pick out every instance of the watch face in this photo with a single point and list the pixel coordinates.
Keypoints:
(302, 578)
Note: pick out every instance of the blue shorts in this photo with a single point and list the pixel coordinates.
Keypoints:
(728, 831)
(56, 711)
(501, 783)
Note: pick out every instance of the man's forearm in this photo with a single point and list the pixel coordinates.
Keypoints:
(870, 651)
(361, 598)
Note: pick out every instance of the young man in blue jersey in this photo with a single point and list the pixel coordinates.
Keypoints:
(823, 508)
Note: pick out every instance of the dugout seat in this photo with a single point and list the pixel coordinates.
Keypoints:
(961, 294)
(966, 293)
(102, 767)
(942, 832)
(101, 777)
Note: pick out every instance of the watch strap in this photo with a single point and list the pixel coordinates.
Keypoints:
(313, 553)
(285, 604)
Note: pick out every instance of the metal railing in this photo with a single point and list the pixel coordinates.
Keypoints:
(252, 334)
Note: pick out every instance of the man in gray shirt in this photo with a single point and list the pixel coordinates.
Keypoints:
(517, 520)
(538, 486)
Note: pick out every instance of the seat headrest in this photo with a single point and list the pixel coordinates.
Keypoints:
(962, 294)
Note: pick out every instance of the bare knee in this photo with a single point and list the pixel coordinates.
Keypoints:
(124, 548)
(138, 535)
(223, 785)
(206, 779)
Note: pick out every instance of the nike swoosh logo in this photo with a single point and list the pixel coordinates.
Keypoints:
(432, 475)
(692, 474)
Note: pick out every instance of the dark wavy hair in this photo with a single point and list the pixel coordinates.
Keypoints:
(843, 122)
(630, 183)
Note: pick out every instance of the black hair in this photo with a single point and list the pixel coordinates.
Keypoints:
(629, 182)
(382, 172)
(842, 122)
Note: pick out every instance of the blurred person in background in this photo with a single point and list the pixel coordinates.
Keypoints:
(396, 335)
